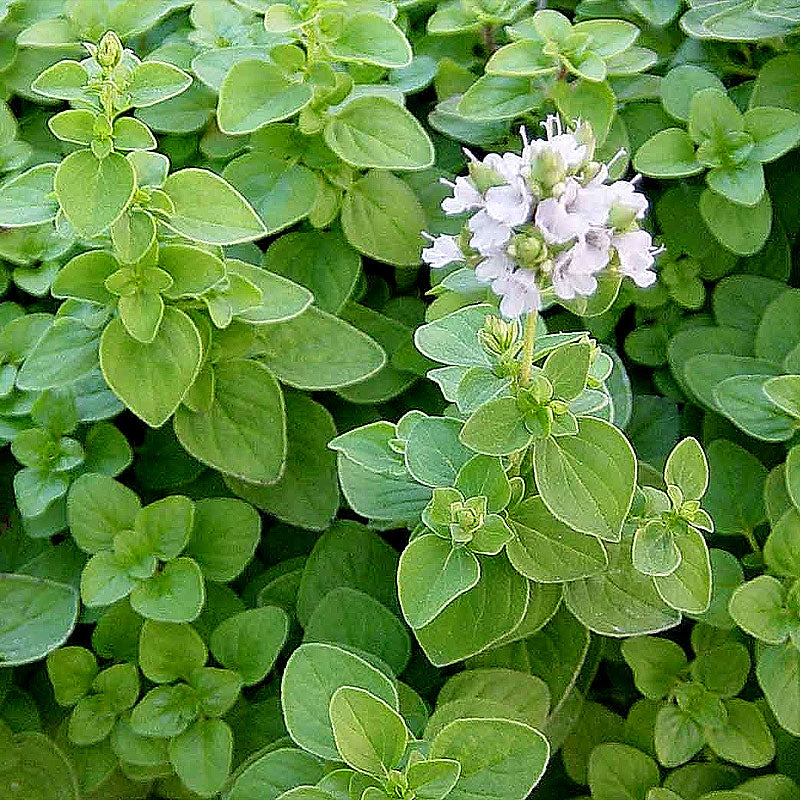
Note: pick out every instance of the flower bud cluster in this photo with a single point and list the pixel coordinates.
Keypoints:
(546, 223)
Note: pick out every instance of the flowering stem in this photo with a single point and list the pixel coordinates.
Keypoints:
(528, 343)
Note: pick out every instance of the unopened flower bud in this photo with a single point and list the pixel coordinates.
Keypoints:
(548, 169)
(484, 177)
(528, 249)
(109, 51)
(499, 337)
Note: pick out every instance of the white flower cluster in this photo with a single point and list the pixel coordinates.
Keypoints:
(546, 222)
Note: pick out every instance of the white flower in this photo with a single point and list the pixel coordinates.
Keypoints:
(575, 269)
(558, 222)
(510, 203)
(465, 196)
(497, 265)
(626, 199)
(489, 234)
(519, 293)
(565, 146)
(636, 255)
(443, 251)
(508, 165)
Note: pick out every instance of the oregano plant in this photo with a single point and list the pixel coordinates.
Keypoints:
(399, 399)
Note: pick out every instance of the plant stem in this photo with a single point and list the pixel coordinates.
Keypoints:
(753, 542)
(531, 322)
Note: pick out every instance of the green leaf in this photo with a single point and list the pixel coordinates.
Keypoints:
(620, 601)
(243, 433)
(744, 738)
(656, 664)
(28, 199)
(94, 193)
(281, 298)
(202, 754)
(431, 574)
(352, 555)
(497, 428)
(255, 93)
(688, 587)
(152, 379)
(741, 229)
(587, 481)
(65, 80)
(208, 209)
(523, 58)
(484, 476)
(775, 131)
(592, 99)
(307, 494)
(175, 594)
(778, 673)
(681, 83)
(370, 735)
(433, 779)
(620, 772)
(780, 550)
(687, 469)
(500, 759)
(383, 219)
(677, 737)
(169, 651)
(758, 607)
(38, 616)
(98, 508)
(743, 185)
(275, 772)
(313, 674)
(165, 711)
(67, 352)
(480, 617)
(654, 549)
(192, 269)
(374, 132)
(153, 82)
(372, 39)
(357, 621)
(493, 97)
(224, 537)
(433, 452)
(321, 261)
(668, 154)
(166, 525)
(319, 351)
(71, 671)
(548, 551)
(105, 579)
(743, 401)
(735, 496)
(250, 642)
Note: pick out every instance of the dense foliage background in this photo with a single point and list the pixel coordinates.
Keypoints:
(250, 549)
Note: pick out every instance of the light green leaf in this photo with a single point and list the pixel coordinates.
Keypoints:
(243, 433)
(208, 209)
(28, 199)
(152, 379)
(250, 642)
(319, 351)
(500, 759)
(382, 218)
(370, 735)
(175, 594)
(202, 756)
(255, 93)
(372, 39)
(587, 481)
(94, 193)
(38, 616)
(374, 132)
(432, 573)
(312, 675)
